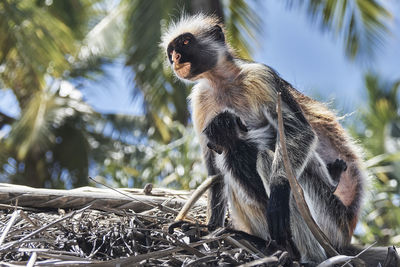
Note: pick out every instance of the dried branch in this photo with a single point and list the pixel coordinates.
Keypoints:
(79, 197)
(113, 235)
(200, 190)
(272, 260)
(297, 191)
(334, 261)
(71, 214)
(12, 220)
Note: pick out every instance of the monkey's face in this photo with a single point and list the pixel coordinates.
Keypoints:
(192, 55)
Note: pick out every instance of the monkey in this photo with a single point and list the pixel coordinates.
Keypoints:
(197, 51)
(228, 135)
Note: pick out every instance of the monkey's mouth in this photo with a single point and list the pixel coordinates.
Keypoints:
(182, 69)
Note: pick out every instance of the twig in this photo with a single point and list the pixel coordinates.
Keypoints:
(158, 254)
(244, 245)
(11, 244)
(340, 259)
(200, 190)
(153, 205)
(10, 223)
(298, 191)
(5, 206)
(32, 260)
(201, 261)
(359, 254)
(267, 260)
(23, 215)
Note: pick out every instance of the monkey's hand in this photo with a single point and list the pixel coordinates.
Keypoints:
(223, 131)
(278, 214)
(217, 148)
(335, 170)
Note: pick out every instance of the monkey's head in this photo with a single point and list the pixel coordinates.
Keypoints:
(194, 45)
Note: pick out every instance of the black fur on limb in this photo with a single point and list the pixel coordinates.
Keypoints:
(297, 191)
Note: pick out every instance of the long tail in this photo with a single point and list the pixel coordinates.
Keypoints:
(385, 256)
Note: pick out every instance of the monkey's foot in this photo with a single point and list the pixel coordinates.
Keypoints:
(278, 215)
(240, 235)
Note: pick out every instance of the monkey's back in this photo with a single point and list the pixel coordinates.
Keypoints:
(334, 142)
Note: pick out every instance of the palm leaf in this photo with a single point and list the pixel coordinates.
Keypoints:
(363, 24)
(46, 110)
(243, 24)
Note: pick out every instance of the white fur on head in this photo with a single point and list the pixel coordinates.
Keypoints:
(194, 24)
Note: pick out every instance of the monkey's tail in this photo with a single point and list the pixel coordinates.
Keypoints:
(385, 256)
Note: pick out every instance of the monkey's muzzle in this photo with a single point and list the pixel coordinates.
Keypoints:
(181, 69)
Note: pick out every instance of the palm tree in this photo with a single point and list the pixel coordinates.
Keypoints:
(43, 44)
(379, 134)
(39, 52)
(361, 23)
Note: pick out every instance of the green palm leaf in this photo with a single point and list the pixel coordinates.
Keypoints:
(363, 24)
(46, 111)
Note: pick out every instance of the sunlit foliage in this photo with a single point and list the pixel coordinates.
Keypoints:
(379, 134)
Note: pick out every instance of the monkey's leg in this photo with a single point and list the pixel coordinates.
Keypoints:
(300, 143)
(216, 207)
(331, 215)
(310, 250)
(237, 234)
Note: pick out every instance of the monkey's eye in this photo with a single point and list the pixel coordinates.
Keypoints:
(186, 42)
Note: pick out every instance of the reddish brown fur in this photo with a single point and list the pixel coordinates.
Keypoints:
(328, 129)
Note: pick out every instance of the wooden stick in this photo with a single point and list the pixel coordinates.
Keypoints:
(200, 190)
(80, 197)
(297, 191)
(10, 223)
(271, 260)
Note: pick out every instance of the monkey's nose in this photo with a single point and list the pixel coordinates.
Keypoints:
(176, 57)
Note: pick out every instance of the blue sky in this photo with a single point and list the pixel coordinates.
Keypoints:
(315, 63)
(311, 61)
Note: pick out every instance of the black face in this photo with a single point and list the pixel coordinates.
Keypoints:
(201, 56)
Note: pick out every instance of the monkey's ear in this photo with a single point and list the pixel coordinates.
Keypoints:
(218, 34)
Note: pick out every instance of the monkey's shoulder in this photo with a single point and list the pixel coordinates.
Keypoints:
(254, 71)
(260, 80)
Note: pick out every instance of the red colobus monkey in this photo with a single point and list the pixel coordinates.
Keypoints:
(254, 181)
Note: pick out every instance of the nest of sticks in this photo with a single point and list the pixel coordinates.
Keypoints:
(102, 227)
